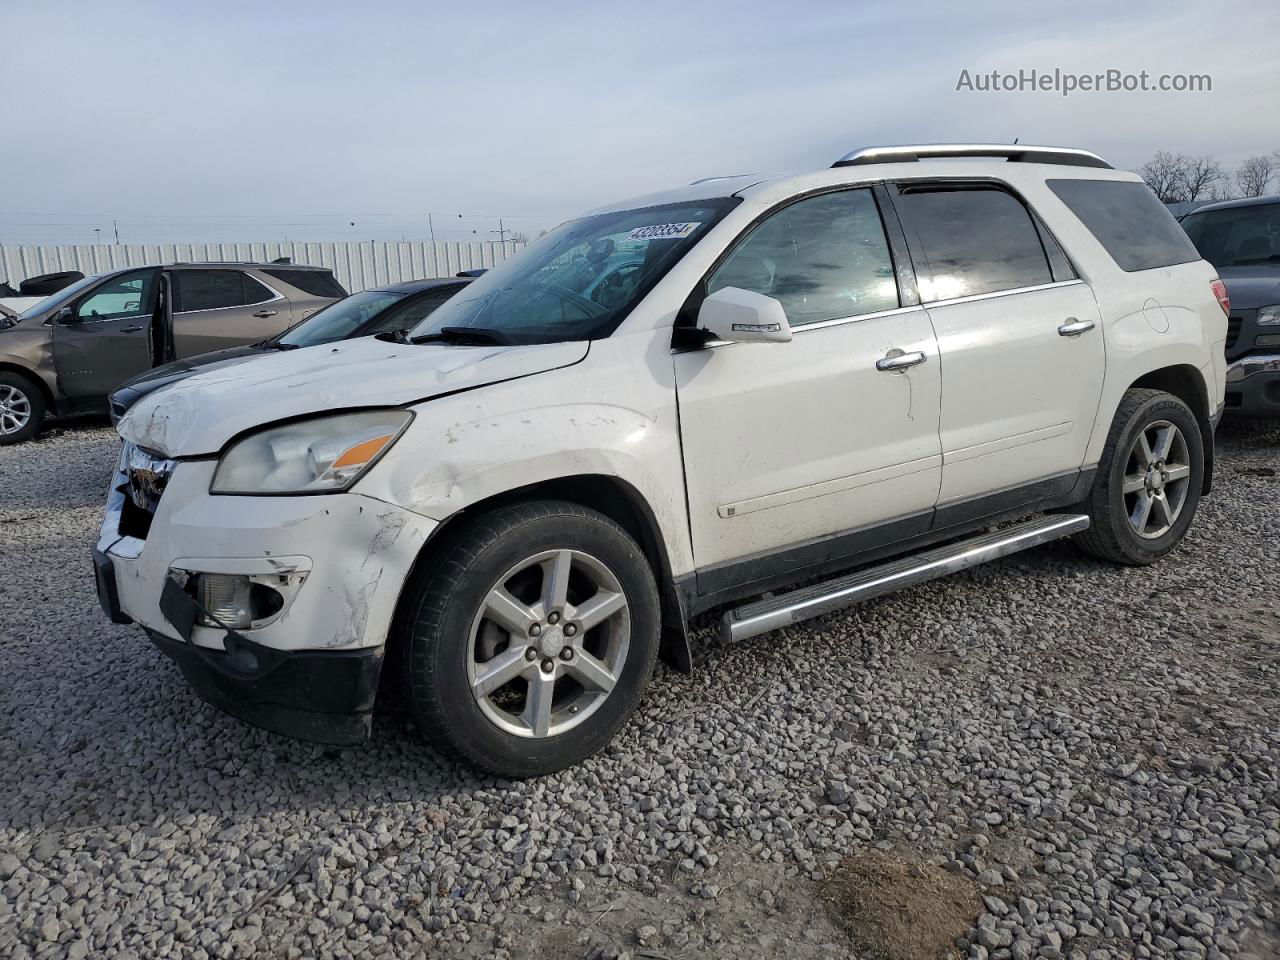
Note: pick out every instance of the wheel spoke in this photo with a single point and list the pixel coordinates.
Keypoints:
(555, 580)
(591, 672)
(599, 608)
(1135, 483)
(537, 707)
(1164, 442)
(500, 670)
(1163, 512)
(1177, 471)
(1142, 450)
(1141, 512)
(508, 612)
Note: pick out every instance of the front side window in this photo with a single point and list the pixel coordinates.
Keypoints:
(580, 280)
(823, 258)
(207, 290)
(341, 319)
(976, 241)
(128, 295)
(1237, 236)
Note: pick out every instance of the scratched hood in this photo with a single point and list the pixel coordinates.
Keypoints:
(198, 415)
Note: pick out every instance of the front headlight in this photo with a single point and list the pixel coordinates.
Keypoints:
(320, 455)
(1269, 316)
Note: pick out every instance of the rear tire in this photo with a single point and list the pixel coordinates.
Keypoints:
(531, 641)
(22, 408)
(1148, 483)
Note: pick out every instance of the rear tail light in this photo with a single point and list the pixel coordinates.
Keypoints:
(1220, 291)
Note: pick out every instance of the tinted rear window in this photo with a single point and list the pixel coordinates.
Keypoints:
(207, 289)
(318, 283)
(976, 240)
(1127, 219)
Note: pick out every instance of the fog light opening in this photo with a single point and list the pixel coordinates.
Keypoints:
(234, 601)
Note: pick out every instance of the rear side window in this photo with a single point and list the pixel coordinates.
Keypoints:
(1127, 219)
(207, 290)
(823, 258)
(318, 283)
(253, 291)
(976, 241)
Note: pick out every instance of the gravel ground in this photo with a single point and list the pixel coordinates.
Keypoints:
(1097, 749)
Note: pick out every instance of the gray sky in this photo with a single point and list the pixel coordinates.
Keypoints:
(260, 121)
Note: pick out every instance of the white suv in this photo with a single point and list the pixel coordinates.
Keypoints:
(911, 362)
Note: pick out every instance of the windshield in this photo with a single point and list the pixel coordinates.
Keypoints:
(55, 300)
(580, 280)
(340, 319)
(1237, 236)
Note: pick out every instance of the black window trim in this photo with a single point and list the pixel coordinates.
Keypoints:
(275, 294)
(916, 245)
(685, 332)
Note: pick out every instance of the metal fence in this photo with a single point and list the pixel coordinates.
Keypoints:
(358, 266)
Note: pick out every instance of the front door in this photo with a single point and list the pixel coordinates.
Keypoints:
(1021, 344)
(214, 309)
(797, 453)
(106, 339)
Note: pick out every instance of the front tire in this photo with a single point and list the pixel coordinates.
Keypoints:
(1148, 483)
(532, 640)
(22, 408)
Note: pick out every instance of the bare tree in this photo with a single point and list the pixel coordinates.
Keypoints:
(1165, 173)
(1254, 175)
(519, 237)
(1199, 175)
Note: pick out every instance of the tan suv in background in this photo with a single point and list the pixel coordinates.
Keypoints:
(67, 352)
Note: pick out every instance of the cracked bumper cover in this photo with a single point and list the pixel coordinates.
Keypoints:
(312, 671)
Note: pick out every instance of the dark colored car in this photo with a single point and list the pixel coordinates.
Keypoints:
(66, 353)
(1242, 239)
(388, 309)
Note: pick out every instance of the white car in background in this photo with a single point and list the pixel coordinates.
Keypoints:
(914, 361)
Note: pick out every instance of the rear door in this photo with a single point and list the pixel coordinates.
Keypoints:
(106, 340)
(218, 308)
(1020, 341)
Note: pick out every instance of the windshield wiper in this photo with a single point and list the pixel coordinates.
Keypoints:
(278, 345)
(1274, 258)
(465, 336)
(393, 336)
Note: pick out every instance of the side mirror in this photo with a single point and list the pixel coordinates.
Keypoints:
(65, 317)
(738, 315)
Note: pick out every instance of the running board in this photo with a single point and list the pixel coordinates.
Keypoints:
(786, 609)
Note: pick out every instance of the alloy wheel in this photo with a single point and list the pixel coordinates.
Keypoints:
(549, 643)
(1157, 475)
(15, 409)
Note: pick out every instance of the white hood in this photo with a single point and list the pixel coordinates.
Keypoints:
(198, 415)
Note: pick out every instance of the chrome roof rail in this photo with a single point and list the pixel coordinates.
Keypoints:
(1013, 152)
(732, 176)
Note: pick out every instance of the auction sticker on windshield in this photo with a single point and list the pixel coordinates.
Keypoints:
(663, 231)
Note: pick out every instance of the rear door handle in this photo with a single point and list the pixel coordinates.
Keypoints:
(131, 329)
(897, 360)
(1074, 327)
(263, 314)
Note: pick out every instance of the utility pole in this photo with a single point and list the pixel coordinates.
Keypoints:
(432, 228)
(501, 232)
(115, 226)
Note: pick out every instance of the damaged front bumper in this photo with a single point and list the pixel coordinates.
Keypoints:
(311, 668)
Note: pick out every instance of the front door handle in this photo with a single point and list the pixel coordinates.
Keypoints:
(1074, 327)
(131, 329)
(263, 314)
(897, 360)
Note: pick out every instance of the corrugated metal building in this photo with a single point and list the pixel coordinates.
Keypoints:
(358, 266)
